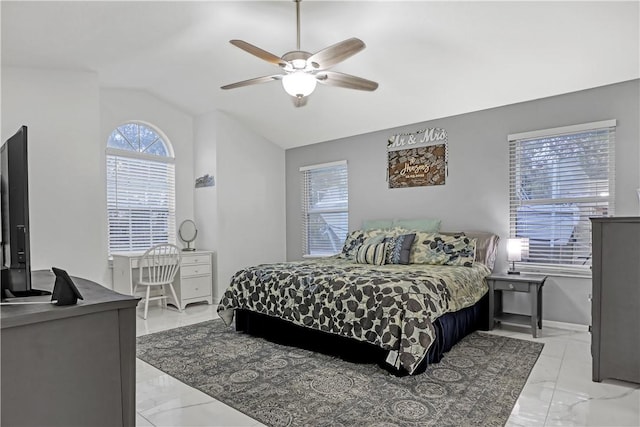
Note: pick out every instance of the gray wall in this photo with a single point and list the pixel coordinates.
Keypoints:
(476, 195)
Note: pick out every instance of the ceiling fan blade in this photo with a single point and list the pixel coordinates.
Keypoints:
(257, 80)
(299, 101)
(260, 53)
(332, 78)
(336, 53)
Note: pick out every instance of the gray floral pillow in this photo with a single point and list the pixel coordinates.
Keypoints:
(440, 249)
(399, 248)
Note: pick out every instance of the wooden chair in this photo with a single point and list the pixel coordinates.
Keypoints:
(158, 267)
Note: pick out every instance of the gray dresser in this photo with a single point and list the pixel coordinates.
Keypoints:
(615, 310)
(69, 365)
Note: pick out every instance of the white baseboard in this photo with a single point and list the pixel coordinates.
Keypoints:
(565, 325)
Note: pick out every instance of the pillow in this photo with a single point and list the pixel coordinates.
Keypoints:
(369, 224)
(357, 238)
(430, 225)
(354, 240)
(440, 249)
(418, 251)
(372, 254)
(486, 247)
(374, 240)
(399, 248)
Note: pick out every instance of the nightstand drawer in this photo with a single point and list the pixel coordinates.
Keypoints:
(500, 285)
(195, 270)
(195, 259)
(194, 287)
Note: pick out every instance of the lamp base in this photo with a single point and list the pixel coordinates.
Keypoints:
(513, 272)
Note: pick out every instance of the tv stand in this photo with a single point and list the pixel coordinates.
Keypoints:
(69, 365)
(25, 294)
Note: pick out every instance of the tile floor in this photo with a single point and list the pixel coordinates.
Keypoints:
(559, 391)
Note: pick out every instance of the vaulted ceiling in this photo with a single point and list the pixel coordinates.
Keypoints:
(431, 59)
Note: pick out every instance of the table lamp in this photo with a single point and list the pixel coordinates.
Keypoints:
(517, 248)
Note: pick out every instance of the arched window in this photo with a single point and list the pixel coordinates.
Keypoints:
(140, 189)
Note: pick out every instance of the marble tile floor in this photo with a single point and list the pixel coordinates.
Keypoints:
(559, 391)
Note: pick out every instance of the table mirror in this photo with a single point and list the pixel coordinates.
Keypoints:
(188, 233)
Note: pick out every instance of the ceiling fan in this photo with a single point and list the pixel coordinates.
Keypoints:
(302, 70)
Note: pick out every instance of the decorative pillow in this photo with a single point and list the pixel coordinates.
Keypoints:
(354, 240)
(429, 225)
(369, 224)
(359, 237)
(440, 249)
(399, 248)
(372, 254)
(374, 240)
(418, 253)
(486, 247)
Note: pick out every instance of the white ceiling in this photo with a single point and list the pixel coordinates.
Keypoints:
(431, 59)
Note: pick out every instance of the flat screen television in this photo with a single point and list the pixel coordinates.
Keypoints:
(14, 185)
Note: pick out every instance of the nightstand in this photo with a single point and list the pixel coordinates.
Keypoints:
(530, 284)
(194, 280)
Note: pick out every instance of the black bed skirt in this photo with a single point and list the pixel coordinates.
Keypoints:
(450, 329)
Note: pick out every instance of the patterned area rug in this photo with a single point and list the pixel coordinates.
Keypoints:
(477, 382)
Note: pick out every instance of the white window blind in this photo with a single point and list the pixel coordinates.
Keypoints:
(558, 179)
(140, 190)
(325, 208)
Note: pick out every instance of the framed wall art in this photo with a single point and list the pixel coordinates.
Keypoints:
(417, 159)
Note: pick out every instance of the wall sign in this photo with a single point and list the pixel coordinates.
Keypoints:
(205, 181)
(417, 159)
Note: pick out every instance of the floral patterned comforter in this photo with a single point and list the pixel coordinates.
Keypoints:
(391, 306)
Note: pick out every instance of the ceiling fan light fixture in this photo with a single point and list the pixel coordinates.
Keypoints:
(299, 83)
(303, 70)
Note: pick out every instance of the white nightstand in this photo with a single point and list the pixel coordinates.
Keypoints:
(194, 280)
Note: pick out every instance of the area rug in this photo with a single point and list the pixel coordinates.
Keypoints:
(476, 383)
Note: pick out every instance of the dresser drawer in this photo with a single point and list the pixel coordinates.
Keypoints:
(500, 285)
(195, 270)
(196, 259)
(195, 287)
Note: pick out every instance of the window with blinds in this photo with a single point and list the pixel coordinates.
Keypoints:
(558, 179)
(325, 208)
(140, 189)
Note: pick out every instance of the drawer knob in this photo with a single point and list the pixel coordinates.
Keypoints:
(510, 285)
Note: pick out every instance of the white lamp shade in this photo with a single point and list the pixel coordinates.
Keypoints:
(524, 248)
(299, 83)
(514, 249)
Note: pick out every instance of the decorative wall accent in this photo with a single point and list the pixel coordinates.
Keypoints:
(417, 159)
(205, 181)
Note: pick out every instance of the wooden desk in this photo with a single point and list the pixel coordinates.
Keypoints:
(71, 365)
(193, 283)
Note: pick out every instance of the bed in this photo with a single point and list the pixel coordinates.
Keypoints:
(408, 313)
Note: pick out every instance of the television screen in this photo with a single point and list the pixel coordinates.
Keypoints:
(14, 185)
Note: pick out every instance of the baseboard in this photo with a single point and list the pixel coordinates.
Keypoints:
(565, 325)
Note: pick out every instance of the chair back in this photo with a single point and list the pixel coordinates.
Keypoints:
(159, 264)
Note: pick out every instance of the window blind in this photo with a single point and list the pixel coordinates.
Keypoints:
(558, 179)
(140, 203)
(325, 208)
